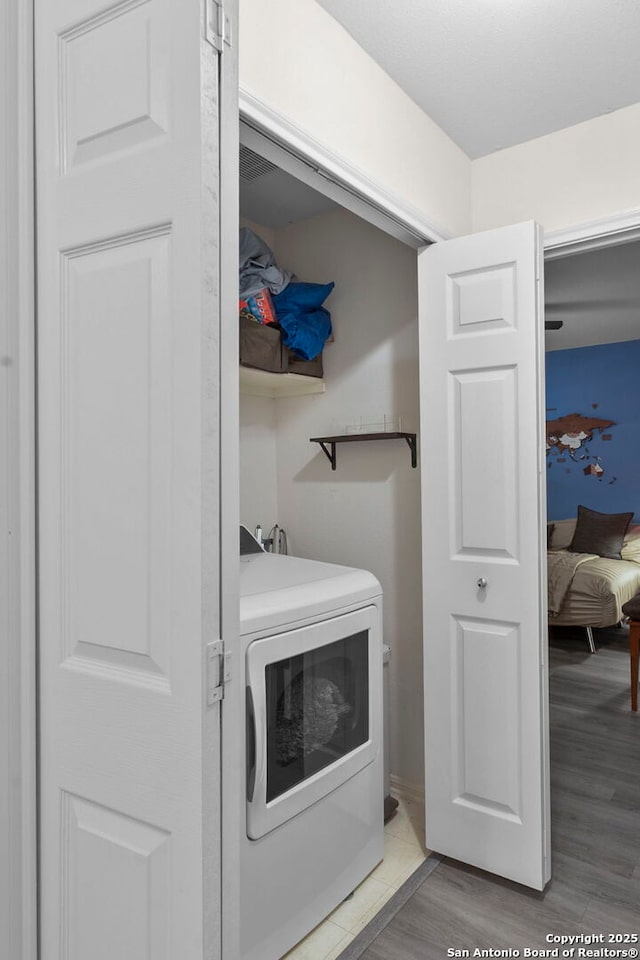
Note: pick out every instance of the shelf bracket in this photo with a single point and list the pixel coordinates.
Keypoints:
(331, 454)
(411, 440)
(328, 444)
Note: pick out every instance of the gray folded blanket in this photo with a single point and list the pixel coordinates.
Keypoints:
(258, 267)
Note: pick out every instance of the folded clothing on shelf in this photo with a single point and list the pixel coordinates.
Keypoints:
(305, 323)
(260, 306)
(258, 267)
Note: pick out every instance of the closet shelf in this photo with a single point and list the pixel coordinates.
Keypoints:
(328, 444)
(261, 383)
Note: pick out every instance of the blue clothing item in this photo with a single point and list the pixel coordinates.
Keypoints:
(304, 322)
(306, 333)
(299, 297)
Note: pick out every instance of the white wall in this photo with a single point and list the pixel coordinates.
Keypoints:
(258, 481)
(266, 233)
(366, 513)
(581, 173)
(304, 65)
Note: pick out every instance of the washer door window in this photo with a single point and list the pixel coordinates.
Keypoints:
(317, 710)
(311, 714)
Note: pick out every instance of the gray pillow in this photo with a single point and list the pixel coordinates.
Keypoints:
(600, 533)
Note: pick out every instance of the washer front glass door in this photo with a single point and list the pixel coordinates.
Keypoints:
(317, 710)
(313, 713)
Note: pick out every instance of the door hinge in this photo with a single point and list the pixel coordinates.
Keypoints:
(218, 671)
(217, 28)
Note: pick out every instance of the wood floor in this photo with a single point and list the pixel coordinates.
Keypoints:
(595, 769)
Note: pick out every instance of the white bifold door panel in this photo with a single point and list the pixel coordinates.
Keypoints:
(127, 179)
(483, 513)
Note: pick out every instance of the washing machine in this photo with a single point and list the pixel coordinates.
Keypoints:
(311, 637)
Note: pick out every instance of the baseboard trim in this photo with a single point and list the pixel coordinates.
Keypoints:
(407, 791)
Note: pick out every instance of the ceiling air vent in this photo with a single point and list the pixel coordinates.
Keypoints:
(252, 165)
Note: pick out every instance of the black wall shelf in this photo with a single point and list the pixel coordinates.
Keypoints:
(328, 444)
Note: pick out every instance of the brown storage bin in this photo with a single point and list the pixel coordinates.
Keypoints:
(308, 368)
(261, 347)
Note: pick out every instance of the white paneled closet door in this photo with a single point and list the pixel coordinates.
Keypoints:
(483, 516)
(128, 332)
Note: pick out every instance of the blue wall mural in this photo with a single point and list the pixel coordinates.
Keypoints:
(593, 429)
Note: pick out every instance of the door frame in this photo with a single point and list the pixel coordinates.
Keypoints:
(18, 440)
(233, 704)
(293, 149)
(17, 485)
(607, 231)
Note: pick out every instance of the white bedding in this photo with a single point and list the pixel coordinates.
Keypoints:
(600, 586)
(597, 592)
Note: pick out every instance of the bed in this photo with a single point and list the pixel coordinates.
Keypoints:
(600, 586)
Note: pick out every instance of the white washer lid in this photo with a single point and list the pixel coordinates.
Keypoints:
(278, 590)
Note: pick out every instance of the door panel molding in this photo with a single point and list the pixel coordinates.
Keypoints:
(116, 885)
(485, 655)
(113, 110)
(481, 401)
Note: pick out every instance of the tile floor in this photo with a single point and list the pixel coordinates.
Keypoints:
(404, 851)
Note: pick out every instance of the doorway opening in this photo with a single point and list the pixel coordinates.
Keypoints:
(592, 427)
(593, 438)
(365, 514)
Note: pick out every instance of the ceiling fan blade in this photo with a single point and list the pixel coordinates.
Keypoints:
(553, 324)
(574, 306)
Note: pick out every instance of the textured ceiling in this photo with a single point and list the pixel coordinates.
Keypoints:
(493, 73)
